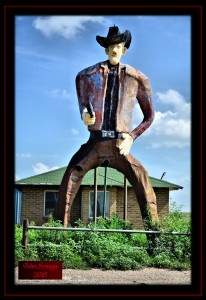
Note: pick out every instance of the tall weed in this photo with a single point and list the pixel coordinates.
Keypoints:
(93, 249)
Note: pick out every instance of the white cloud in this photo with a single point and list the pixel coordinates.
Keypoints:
(177, 101)
(65, 26)
(74, 132)
(24, 155)
(60, 94)
(171, 128)
(17, 177)
(169, 125)
(38, 55)
(39, 168)
(184, 179)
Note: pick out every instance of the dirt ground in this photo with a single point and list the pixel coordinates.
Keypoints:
(149, 276)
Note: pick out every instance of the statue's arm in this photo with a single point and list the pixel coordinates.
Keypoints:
(144, 97)
(83, 101)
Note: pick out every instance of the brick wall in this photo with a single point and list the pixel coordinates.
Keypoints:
(85, 201)
(133, 211)
(33, 204)
(76, 208)
(162, 201)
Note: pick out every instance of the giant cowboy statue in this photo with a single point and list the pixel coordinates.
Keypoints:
(112, 89)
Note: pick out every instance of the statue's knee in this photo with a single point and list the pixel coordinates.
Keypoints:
(77, 173)
(78, 168)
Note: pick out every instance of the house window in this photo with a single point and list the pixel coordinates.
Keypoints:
(100, 203)
(50, 200)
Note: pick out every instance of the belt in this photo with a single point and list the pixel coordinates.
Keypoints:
(106, 134)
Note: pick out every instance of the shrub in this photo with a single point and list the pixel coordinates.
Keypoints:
(62, 252)
(18, 251)
(93, 249)
(101, 251)
(173, 249)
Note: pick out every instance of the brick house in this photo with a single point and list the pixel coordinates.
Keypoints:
(39, 196)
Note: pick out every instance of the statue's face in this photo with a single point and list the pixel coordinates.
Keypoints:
(115, 53)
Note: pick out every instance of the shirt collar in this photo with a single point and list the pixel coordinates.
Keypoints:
(105, 65)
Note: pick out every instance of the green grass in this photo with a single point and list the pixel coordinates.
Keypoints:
(92, 249)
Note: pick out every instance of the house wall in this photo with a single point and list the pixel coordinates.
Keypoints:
(85, 202)
(133, 211)
(162, 195)
(76, 207)
(33, 204)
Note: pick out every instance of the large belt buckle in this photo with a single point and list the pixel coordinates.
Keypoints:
(111, 134)
(108, 133)
(104, 133)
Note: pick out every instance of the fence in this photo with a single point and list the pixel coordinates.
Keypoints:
(26, 227)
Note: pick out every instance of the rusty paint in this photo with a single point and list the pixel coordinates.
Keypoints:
(91, 86)
(133, 86)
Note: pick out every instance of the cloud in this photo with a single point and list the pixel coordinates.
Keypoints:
(177, 101)
(60, 94)
(24, 155)
(36, 55)
(74, 132)
(65, 26)
(17, 177)
(39, 168)
(171, 128)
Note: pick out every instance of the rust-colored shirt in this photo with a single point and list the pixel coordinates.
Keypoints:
(91, 85)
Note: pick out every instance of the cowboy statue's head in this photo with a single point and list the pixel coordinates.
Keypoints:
(115, 43)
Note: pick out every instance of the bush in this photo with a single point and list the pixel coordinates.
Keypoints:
(62, 252)
(174, 250)
(103, 252)
(93, 249)
(18, 251)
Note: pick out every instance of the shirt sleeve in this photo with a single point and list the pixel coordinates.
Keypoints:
(144, 97)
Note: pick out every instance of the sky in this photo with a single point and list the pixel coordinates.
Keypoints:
(49, 53)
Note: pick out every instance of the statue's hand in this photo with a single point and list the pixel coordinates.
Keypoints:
(87, 119)
(126, 144)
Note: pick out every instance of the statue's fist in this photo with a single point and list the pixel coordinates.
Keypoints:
(87, 119)
(126, 144)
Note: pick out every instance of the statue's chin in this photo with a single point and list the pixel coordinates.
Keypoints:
(114, 60)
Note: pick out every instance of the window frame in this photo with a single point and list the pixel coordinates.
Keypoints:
(99, 191)
(54, 191)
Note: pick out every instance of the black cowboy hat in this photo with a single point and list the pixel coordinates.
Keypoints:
(114, 36)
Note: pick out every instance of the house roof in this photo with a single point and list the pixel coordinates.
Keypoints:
(114, 178)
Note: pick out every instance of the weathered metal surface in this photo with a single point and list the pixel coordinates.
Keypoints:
(91, 84)
(95, 85)
(108, 230)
